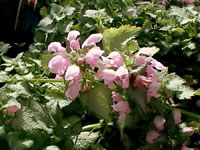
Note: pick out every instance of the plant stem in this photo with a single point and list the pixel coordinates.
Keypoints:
(44, 80)
(191, 114)
(93, 126)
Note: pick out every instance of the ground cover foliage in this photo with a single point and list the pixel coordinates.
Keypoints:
(157, 47)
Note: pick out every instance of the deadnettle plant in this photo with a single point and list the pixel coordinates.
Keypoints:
(112, 70)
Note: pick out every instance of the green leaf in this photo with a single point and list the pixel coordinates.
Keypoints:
(32, 117)
(72, 124)
(98, 101)
(95, 13)
(85, 139)
(96, 147)
(186, 92)
(4, 77)
(138, 96)
(4, 48)
(52, 147)
(114, 37)
(59, 12)
(197, 92)
(45, 21)
(15, 143)
(43, 11)
(176, 84)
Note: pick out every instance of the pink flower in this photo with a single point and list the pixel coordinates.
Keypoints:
(139, 59)
(73, 73)
(74, 44)
(73, 41)
(92, 40)
(152, 91)
(186, 148)
(151, 73)
(123, 108)
(159, 123)
(145, 53)
(114, 59)
(93, 55)
(146, 57)
(59, 64)
(177, 115)
(151, 136)
(13, 109)
(116, 97)
(123, 75)
(188, 129)
(72, 35)
(58, 77)
(73, 90)
(80, 61)
(56, 47)
(155, 63)
(109, 76)
(141, 81)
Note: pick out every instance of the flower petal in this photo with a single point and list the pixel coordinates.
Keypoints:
(59, 64)
(72, 35)
(73, 73)
(92, 40)
(73, 90)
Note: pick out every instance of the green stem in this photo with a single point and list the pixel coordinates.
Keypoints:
(93, 126)
(190, 114)
(185, 112)
(44, 80)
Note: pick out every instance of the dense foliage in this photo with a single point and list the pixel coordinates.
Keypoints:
(100, 75)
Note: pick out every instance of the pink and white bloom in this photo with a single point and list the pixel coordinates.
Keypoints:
(93, 55)
(73, 90)
(114, 59)
(141, 81)
(152, 91)
(151, 136)
(56, 47)
(116, 97)
(154, 63)
(92, 40)
(188, 130)
(109, 75)
(123, 74)
(73, 73)
(59, 64)
(123, 108)
(80, 61)
(177, 115)
(73, 41)
(58, 77)
(13, 109)
(159, 122)
(143, 53)
(72, 35)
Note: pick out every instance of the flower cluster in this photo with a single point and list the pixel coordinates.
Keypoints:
(159, 123)
(111, 69)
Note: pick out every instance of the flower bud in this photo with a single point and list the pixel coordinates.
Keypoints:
(159, 123)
